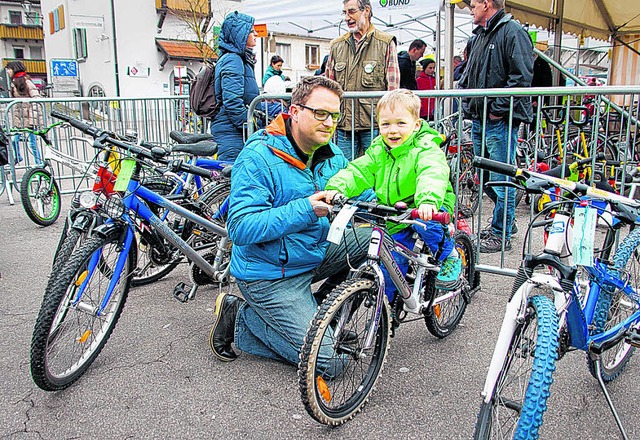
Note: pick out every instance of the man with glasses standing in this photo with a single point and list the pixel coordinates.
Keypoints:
(365, 59)
(277, 221)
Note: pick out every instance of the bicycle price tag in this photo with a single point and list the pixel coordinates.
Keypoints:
(339, 224)
(584, 232)
(124, 176)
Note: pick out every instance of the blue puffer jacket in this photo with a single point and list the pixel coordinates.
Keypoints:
(234, 84)
(274, 230)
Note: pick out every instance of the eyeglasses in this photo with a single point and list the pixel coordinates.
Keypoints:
(321, 114)
(351, 12)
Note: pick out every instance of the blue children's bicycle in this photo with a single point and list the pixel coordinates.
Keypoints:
(570, 296)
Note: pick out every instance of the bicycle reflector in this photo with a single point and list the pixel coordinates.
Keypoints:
(114, 206)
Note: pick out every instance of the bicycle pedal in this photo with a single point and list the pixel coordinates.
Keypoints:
(183, 293)
(633, 337)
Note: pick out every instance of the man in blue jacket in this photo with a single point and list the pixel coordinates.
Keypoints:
(277, 221)
(500, 56)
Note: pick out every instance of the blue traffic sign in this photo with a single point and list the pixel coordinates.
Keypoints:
(64, 67)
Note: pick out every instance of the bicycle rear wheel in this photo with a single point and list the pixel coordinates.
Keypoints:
(614, 308)
(521, 391)
(40, 196)
(447, 307)
(467, 186)
(336, 373)
(69, 334)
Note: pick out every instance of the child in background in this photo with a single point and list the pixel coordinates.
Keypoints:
(405, 163)
(426, 80)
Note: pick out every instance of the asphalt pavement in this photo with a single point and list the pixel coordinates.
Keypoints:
(156, 377)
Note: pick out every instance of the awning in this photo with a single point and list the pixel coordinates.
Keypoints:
(183, 50)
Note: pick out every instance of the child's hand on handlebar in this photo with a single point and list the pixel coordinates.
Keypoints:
(426, 211)
(320, 208)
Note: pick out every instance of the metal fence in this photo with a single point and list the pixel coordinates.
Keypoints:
(611, 126)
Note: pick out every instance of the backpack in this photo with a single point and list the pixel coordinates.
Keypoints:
(4, 144)
(202, 97)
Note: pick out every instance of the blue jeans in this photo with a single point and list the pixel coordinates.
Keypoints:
(497, 147)
(273, 321)
(435, 235)
(33, 146)
(361, 141)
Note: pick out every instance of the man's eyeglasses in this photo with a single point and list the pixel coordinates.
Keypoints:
(321, 114)
(351, 12)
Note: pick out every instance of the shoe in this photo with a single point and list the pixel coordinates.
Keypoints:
(493, 243)
(487, 231)
(449, 276)
(223, 330)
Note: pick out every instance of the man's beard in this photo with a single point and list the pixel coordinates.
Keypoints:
(361, 25)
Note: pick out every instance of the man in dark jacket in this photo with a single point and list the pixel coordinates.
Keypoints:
(501, 56)
(407, 64)
(278, 224)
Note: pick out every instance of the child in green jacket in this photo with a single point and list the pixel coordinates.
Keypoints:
(405, 163)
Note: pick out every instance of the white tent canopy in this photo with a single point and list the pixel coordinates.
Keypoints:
(408, 21)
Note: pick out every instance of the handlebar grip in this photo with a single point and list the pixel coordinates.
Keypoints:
(495, 166)
(440, 217)
(77, 123)
(199, 171)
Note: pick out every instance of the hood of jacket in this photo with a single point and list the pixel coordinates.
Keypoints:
(234, 33)
(404, 55)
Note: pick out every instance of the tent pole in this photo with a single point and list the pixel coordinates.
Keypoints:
(557, 39)
(448, 54)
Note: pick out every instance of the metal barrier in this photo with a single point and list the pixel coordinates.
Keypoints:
(150, 119)
(613, 124)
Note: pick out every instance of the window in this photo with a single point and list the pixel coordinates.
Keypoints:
(312, 56)
(15, 17)
(36, 52)
(284, 50)
(80, 43)
(18, 52)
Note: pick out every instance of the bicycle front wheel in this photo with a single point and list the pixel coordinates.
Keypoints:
(72, 328)
(614, 308)
(447, 307)
(521, 391)
(40, 196)
(336, 372)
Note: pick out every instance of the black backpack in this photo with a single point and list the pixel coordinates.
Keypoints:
(4, 145)
(202, 97)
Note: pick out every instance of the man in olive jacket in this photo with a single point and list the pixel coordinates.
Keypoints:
(501, 56)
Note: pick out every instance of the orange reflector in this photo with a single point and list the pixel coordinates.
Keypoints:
(436, 310)
(81, 278)
(82, 339)
(323, 389)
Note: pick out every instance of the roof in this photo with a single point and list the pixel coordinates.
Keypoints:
(184, 50)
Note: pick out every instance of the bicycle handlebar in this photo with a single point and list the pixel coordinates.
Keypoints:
(153, 153)
(400, 213)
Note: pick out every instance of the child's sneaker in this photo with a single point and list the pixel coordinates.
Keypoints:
(449, 276)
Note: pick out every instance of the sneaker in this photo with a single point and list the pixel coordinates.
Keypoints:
(449, 276)
(223, 329)
(487, 231)
(493, 243)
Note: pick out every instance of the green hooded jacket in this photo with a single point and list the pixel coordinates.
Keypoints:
(415, 172)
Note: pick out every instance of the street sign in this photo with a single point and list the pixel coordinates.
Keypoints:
(64, 76)
(64, 68)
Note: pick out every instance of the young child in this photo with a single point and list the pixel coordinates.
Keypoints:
(405, 163)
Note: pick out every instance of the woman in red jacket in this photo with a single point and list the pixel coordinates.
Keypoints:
(426, 80)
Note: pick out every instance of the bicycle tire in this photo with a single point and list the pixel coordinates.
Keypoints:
(355, 375)
(47, 210)
(442, 318)
(66, 340)
(614, 308)
(468, 185)
(523, 366)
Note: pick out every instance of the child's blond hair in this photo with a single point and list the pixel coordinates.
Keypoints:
(402, 98)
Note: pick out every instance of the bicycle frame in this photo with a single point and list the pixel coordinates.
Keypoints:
(134, 202)
(380, 247)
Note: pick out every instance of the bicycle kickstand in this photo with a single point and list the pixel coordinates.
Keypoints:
(598, 360)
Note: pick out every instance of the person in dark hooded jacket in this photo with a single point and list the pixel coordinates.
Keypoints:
(407, 64)
(235, 83)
